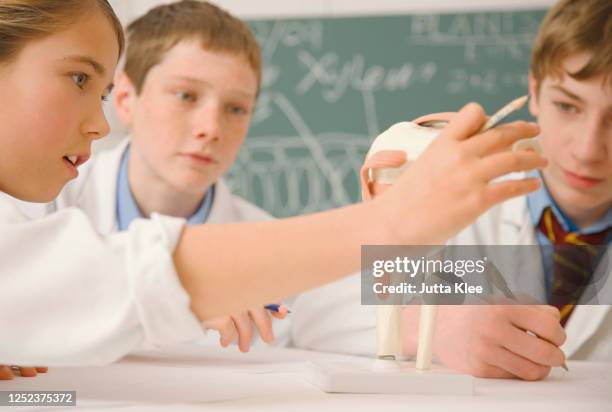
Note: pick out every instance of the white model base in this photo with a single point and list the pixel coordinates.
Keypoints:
(388, 377)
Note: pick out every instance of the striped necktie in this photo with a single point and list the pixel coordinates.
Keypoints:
(575, 257)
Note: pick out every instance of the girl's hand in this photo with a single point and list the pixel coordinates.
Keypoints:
(6, 372)
(453, 181)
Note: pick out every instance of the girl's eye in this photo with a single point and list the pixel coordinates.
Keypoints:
(80, 79)
(185, 96)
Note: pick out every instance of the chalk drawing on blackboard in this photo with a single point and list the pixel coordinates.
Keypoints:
(300, 173)
(329, 86)
(496, 34)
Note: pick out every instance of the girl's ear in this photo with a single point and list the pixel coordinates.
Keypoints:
(124, 97)
(533, 95)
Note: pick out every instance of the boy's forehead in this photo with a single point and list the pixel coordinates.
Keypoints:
(575, 62)
(559, 71)
(590, 97)
(191, 53)
(564, 82)
(188, 60)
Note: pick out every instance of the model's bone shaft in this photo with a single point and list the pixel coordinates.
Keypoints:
(389, 341)
(427, 324)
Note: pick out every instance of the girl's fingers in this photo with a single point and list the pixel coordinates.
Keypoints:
(385, 159)
(263, 322)
(435, 116)
(27, 371)
(6, 373)
(498, 192)
(501, 137)
(500, 164)
(466, 123)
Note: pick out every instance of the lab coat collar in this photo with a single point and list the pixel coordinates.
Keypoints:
(516, 228)
(223, 209)
(582, 325)
(127, 210)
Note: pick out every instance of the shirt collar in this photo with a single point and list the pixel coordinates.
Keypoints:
(127, 209)
(539, 200)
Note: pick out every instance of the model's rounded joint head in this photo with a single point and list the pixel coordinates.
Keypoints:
(394, 149)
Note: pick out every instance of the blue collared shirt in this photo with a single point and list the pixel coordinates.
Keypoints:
(537, 202)
(127, 210)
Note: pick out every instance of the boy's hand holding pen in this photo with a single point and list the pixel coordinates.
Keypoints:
(278, 311)
(240, 326)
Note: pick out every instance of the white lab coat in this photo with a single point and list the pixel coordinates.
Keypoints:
(95, 192)
(589, 328)
(73, 297)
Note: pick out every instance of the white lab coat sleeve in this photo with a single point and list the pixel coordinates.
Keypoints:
(73, 297)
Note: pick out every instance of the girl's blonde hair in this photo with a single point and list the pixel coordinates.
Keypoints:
(22, 21)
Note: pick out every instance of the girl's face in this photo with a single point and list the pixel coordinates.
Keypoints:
(52, 95)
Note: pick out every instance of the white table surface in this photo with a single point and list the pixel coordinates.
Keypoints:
(272, 379)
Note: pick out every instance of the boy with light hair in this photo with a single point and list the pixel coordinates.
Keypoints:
(186, 92)
(570, 84)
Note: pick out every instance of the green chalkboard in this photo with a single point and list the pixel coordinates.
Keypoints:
(331, 85)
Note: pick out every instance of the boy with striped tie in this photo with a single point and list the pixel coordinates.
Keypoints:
(570, 84)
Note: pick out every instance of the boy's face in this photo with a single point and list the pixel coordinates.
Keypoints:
(52, 107)
(575, 118)
(191, 116)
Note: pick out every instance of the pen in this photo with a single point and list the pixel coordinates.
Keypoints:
(274, 307)
(511, 107)
(498, 280)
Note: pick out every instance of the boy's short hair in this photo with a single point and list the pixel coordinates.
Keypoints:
(151, 36)
(569, 28)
